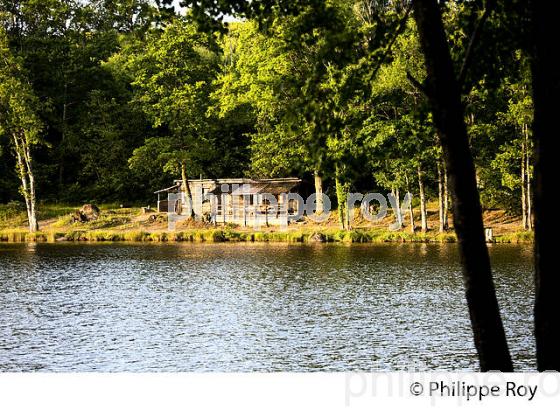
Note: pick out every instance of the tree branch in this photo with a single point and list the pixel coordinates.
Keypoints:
(473, 40)
(400, 28)
(417, 84)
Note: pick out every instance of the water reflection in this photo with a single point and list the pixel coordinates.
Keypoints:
(249, 307)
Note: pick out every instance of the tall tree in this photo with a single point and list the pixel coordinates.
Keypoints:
(546, 88)
(513, 162)
(444, 93)
(261, 80)
(18, 119)
(173, 76)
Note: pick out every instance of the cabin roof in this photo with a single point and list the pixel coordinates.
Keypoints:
(242, 180)
(247, 186)
(171, 188)
(260, 187)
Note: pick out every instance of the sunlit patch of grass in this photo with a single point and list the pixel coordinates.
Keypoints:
(19, 235)
(13, 235)
(516, 237)
(106, 221)
(36, 237)
(12, 214)
(63, 221)
(85, 232)
(136, 236)
(446, 237)
(49, 211)
(102, 236)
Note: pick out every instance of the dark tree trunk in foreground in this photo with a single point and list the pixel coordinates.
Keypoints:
(444, 96)
(546, 91)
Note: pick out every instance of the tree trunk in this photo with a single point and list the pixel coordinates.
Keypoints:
(24, 185)
(349, 217)
(546, 89)
(63, 136)
(523, 187)
(185, 188)
(528, 179)
(410, 209)
(440, 198)
(320, 207)
(341, 201)
(445, 199)
(397, 210)
(25, 171)
(444, 95)
(423, 211)
(411, 216)
(33, 224)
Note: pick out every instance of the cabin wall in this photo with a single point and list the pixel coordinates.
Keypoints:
(237, 209)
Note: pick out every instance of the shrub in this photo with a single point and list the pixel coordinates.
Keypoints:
(217, 236)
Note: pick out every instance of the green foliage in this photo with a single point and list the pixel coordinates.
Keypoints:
(12, 214)
(116, 95)
(261, 80)
(217, 235)
(173, 75)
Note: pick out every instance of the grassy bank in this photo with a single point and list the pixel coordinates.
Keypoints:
(232, 235)
(131, 225)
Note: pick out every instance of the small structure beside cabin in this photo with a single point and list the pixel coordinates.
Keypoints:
(241, 201)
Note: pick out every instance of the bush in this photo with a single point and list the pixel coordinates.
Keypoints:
(12, 214)
(136, 236)
(516, 237)
(216, 236)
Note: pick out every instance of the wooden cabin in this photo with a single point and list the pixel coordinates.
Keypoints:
(234, 200)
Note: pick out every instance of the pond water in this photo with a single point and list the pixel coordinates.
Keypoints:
(250, 307)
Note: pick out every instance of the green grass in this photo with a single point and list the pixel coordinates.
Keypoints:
(233, 235)
(516, 237)
(14, 213)
(116, 224)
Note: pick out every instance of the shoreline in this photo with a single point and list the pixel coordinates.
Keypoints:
(358, 235)
(115, 224)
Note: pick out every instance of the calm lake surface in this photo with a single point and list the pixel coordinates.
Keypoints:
(249, 307)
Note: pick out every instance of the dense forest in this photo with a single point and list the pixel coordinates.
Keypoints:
(108, 100)
(116, 96)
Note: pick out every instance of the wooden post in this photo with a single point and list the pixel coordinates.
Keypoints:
(488, 234)
(214, 208)
(244, 210)
(224, 208)
(255, 210)
(266, 213)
